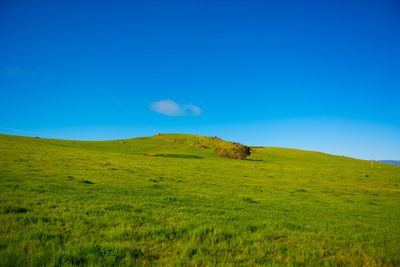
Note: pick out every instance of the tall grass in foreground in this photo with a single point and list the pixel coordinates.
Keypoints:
(112, 203)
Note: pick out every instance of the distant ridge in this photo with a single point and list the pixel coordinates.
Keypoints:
(393, 162)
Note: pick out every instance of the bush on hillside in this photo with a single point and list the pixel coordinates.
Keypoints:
(199, 146)
(232, 150)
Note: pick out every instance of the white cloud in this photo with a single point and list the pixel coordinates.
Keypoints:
(171, 108)
(192, 109)
(167, 107)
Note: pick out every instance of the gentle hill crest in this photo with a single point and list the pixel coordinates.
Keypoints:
(194, 145)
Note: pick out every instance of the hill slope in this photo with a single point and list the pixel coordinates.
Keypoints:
(169, 200)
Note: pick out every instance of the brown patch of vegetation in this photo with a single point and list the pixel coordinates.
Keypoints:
(199, 146)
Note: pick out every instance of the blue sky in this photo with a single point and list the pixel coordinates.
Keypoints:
(315, 75)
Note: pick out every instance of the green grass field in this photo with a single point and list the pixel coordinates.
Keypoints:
(109, 203)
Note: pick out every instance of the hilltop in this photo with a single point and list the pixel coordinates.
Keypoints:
(169, 200)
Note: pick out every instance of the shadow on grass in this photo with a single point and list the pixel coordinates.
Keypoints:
(254, 159)
(181, 156)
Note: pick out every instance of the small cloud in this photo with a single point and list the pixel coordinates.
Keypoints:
(171, 108)
(167, 107)
(192, 109)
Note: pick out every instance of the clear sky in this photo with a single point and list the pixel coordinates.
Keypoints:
(316, 75)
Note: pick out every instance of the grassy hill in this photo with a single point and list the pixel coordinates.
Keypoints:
(169, 200)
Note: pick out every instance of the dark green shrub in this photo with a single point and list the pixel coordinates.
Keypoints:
(232, 150)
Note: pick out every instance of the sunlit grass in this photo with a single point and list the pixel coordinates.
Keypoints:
(169, 200)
